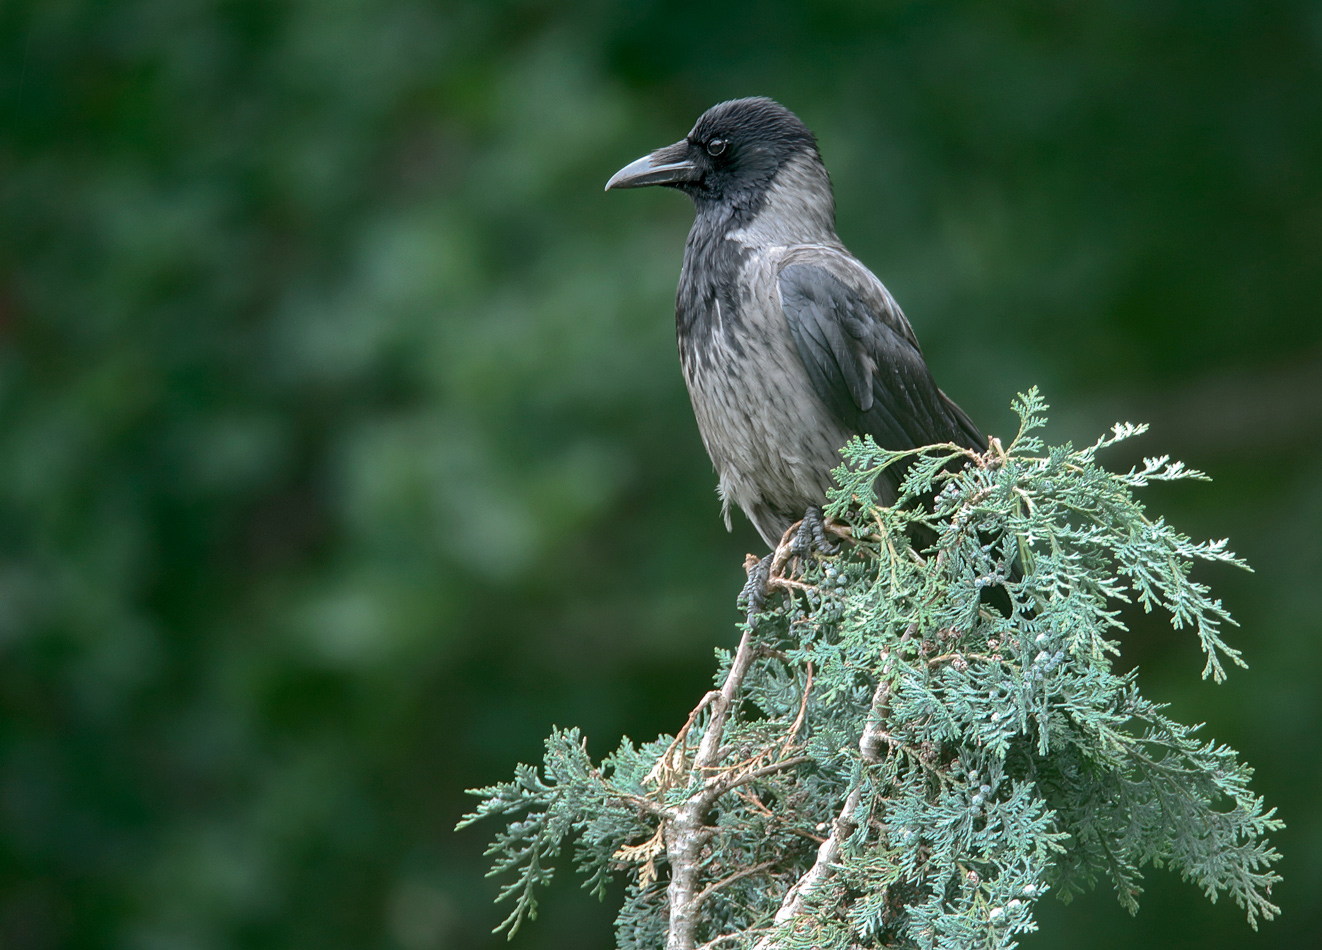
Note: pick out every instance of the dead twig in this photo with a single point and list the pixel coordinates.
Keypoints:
(668, 765)
(645, 853)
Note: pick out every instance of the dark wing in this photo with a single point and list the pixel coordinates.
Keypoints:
(862, 357)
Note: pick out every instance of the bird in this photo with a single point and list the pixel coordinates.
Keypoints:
(789, 345)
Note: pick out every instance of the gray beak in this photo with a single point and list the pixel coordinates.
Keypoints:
(666, 166)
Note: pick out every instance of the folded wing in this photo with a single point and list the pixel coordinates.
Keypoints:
(861, 354)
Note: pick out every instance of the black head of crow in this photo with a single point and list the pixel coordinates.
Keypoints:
(789, 345)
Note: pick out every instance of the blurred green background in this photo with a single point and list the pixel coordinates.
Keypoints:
(344, 449)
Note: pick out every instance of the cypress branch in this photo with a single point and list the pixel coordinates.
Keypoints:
(887, 760)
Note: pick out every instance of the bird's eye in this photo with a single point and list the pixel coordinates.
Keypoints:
(715, 147)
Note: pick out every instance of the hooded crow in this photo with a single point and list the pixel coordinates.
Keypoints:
(789, 345)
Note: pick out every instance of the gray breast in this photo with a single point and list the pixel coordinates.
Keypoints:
(769, 436)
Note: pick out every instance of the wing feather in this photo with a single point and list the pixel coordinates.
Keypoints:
(861, 354)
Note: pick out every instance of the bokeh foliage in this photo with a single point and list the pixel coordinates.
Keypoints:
(343, 447)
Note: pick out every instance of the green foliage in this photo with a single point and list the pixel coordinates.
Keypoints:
(600, 806)
(960, 701)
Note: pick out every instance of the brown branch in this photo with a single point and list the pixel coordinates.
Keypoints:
(717, 885)
(788, 583)
(756, 804)
(805, 834)
(726, 783)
